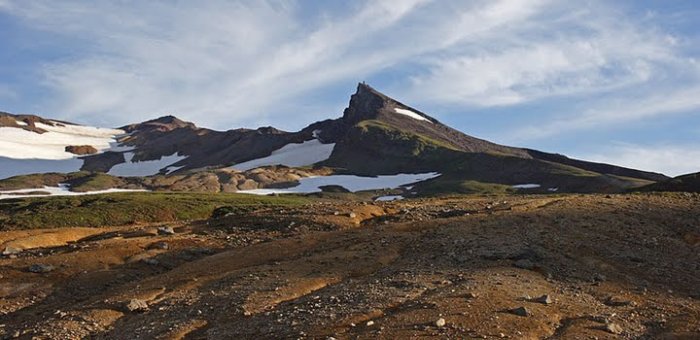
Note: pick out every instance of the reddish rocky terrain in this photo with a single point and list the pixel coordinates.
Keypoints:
(516, 267)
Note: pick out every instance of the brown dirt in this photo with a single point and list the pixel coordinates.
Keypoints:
(391, 272)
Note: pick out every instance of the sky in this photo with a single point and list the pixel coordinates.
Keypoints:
(610, 81)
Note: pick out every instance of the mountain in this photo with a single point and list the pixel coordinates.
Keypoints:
(684, 183)
(375, 136)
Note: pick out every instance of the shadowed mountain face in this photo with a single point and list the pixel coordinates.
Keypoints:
(376, 135)
(686, 183)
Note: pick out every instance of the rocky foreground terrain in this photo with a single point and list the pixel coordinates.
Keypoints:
(515, 267)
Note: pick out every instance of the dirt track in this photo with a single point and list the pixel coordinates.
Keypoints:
(627, 263)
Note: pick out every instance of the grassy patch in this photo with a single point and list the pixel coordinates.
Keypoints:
(95, 182)
(123, 208)
(446, 185)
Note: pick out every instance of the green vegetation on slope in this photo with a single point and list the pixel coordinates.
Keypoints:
(446, 185)
(123, 208)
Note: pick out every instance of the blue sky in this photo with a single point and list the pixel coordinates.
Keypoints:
(613, 81)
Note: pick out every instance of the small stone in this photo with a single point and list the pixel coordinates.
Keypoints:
(544, 299)
(166, 231)
(524, 264)
(615, 301)
(159, 245)
(10, 250)
(440, 322)
(520, 311)
(471, 295)
(352, 215)
(152, 262)
(370, 323)
(41, 268)
(137, 305)
(613, 328)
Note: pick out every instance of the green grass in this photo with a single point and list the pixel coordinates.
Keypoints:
(124, 208)
(95, 182)
(421, 141)
(32, 181)
(445, 185)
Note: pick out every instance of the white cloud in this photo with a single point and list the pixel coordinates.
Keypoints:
(617, 113)
(220, 63)
(671, 160)
(550, 54)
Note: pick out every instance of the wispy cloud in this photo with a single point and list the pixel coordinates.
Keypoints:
(671, 160)
(224, 63)
(616, 113)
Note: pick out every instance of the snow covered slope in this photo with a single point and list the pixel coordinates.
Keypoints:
(144, 168)
(18, 143)
(411, 114)
(292, 155)
(60, 190)
(350, 182)
(23, 151)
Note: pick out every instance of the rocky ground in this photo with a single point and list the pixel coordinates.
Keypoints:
(516, 267)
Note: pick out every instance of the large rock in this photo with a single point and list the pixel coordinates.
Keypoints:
(10, 250)
(137, 305)
(41, 268)
(81, 149)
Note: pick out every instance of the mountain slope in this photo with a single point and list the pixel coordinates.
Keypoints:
(376, 135)
(685, 183)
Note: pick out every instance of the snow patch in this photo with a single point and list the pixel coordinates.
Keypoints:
(20, 123)
(389, 198)
(411, 114)
(61, 190)
(18, 143)
(172, 169)
(553, 189)
(144, 168)
(350, 182)
(526, 186)
(292, 155)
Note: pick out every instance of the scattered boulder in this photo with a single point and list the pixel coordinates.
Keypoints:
(352, 215)
(370, 323)
(151, 261)
(81, 149)
(615, 301)
(166, 231)
(544, 299)
(613, 328)
(440, 322)
(10, 250)
(471, 295)
(41, 268)
(159, 245)
(520, 311)
(137, 305)
(247, 184)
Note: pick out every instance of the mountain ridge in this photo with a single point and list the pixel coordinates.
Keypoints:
(375, 135)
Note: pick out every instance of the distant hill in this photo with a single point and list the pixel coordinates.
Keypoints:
(685, 183)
